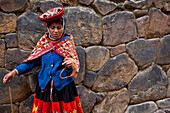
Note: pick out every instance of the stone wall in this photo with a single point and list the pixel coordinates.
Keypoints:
(123, 47)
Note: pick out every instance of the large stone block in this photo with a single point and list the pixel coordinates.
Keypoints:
(164, 51)
(81, 56)
(143, 25)
(115, 74)
(46, 5)
(88, 98)
(7, 23)
(150, 84)
(11, 40)
(20, 89)
(104, 7)
(158, 23)
(84, 24)
(13, 5)
(89, 78)
(165, 103)
(119, 28)
(7, 108)
(114, 102)
(96, 57)
(147, 107)
(14, 57)
(26, 105)
(2, 53)
(143, 51)
(30, 29)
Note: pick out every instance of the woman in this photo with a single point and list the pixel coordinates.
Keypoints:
(56, 91)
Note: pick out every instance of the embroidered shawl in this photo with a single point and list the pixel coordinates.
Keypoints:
(65, 48)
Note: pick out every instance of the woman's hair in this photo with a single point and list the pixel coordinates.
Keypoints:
(58, 21)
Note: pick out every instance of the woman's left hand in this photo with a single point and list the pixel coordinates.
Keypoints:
(68, 64)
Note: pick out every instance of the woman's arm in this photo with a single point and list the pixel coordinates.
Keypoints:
(21, 69)
(27, 66)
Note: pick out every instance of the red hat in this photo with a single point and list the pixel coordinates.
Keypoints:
(52, 14)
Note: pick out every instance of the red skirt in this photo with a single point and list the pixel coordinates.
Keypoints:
(50, 100)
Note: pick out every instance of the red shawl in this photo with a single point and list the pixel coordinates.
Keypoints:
(65, 48)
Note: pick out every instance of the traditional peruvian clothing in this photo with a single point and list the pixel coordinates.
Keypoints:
(53, 93)
(56, 91)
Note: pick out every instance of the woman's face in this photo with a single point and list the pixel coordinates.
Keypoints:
(56, 30)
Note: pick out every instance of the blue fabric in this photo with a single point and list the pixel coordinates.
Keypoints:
(51, 66)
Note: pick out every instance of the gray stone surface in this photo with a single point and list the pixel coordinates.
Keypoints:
(69, 2)
(7, 108)
(93, 61)
(147, 107)
(120, 6)
(89, 78)
(117, 50)
(2, 53)
(86, 2)
(87, 97)
(33, 78)
(158, 3)
(115, 74)
(26, 105)
(149, 84)
(30, 29)
(20, 89)
(143, 25)
(46, 5)
(164, 103)
(149, 3)
(114, 102)
(143, 51)
(85, 26)
(119, 28)
(35, 6)
(164, 51)
(158, 23)
(7, 23)
(104, 7)
(100, 96)
(13, 5)
(168, 89)
(81, 56)
(139, 12)
(11, 40)
(134, 4)
(14, 57)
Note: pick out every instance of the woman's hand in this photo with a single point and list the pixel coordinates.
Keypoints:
(68, 64)
(8, 77)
